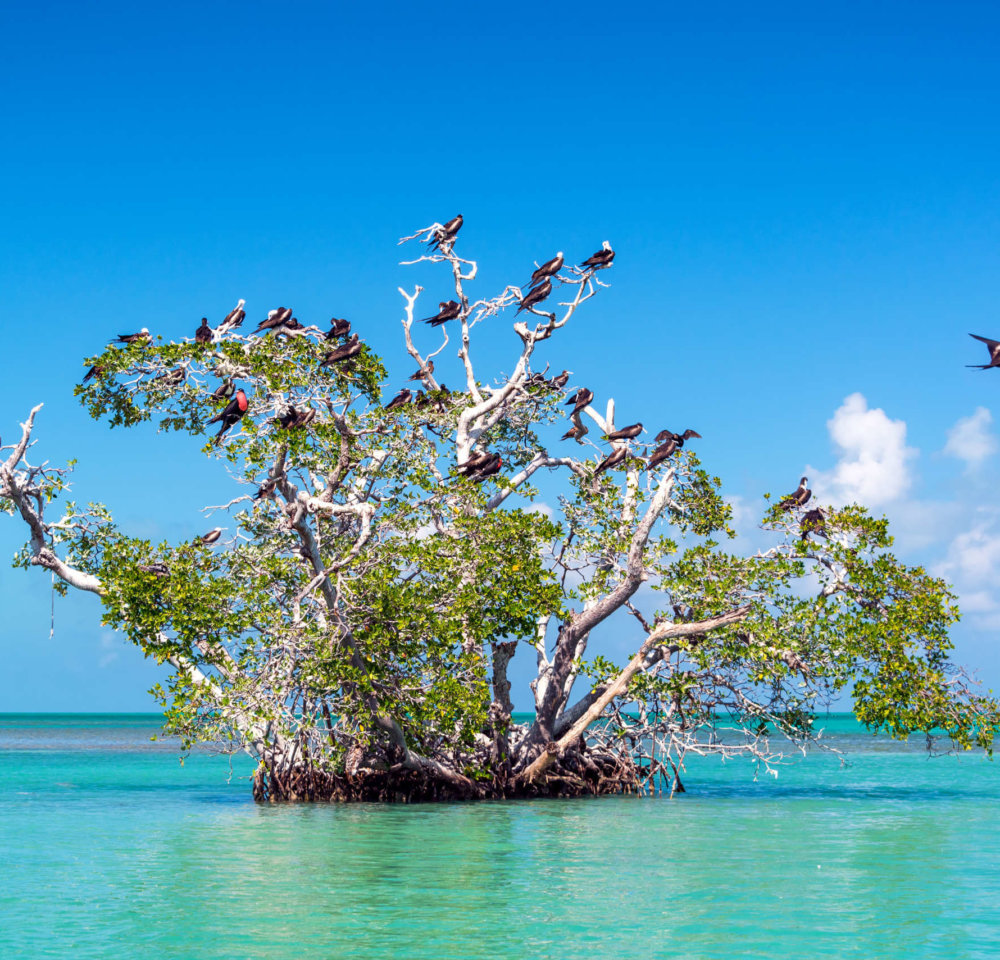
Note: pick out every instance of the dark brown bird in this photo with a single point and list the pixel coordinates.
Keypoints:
(275, 319)
(231, 414)
(289, 326)
(143, 334)
(577, 432)
(400, 400)
(306, 417)
(96, 370)
(235, 317)
(799, 497)
(423, 372)
(266, 489)
(350, 348)
(339, 328)
(156, 569)
(211, 536)
(626, 433)
(447, 310)
(679, 437)
(994, 348)
(548, 269)
(580, 399)
(813, 521)
(224, 390)
(612, 460)
(172, 377)
(488, 469)
(536, 296)
(289, 418)
(475, 461)
(560, 381)
(447, 233)
(204, 333)
(601, 259)
(668, 449)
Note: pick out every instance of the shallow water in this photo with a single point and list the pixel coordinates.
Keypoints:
(111, 848)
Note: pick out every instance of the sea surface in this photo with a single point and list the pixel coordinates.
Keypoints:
(111, 848)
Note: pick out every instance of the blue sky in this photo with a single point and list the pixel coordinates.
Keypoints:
(804, 204)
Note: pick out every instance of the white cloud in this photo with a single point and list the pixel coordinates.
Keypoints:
(971, 440)
(111, 646)
(873, 465)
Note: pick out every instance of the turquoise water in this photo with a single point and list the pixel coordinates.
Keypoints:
(110, 848)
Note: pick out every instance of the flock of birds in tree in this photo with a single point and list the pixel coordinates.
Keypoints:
(480, 465)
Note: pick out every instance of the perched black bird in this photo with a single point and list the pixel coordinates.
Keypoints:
(994, 348)
(580, 399)
(400, 400)
(421, 399)
(674, 442)
(536, 295)
(156, 569)
(601, 259)
(204, 333)
(339, 328)
(224, 390)
(234, 318)
(289, 418)
(548, 269)
(476, 462)
(231, 414)
(172, 377)
(275, 318)
(143, 334)
(95, 371)
(289, 326)
(447, 310)
(447, 233)
(799, 497)
(211, 536)
(612, 460)
(813, 521)
(488, 469)
(626, 433)
(350, 348)
(578, 432)
(560, 381)
(306, 417)
(423, 372)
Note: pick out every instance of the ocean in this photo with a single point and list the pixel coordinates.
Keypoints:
(111, 848)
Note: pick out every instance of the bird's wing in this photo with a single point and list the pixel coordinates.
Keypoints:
(992, 344)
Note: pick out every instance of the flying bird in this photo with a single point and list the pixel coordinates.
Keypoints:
(601, 259)
(612, 460)
(536, 296)
(231, 414)
(204, 333)
(626, 433)
(339, 328)
(447, 310)
(143, 334)
(211, 536)
(400, 400)
(580, 399)
(799, 497)
(577, 432)
(994, 348)
(224, 390)
(350, 348)
(560, 381)
(548, 269)
(275, 319)
(447, 233)
(678, 437)
(423, 372)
